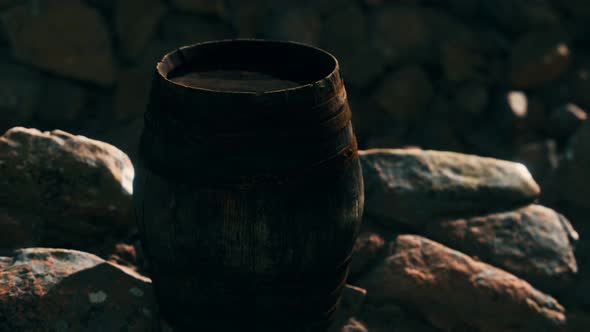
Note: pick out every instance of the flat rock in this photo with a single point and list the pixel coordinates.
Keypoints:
(136, 22)
(65, 37)
(414, 186)
(457, 293)
(539, 57)
(534, 243)
(65, 290)
(80, 188)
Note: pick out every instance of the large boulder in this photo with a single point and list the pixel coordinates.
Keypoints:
(65, 37)
(456, 293)
(62, 190)
(65, 290)
(534, 243)
(414, 186)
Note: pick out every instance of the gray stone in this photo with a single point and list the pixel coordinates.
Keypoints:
(534, 243)
(457, 293)
(413, 187)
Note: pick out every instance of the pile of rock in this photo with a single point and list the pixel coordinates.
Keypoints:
(450, 242)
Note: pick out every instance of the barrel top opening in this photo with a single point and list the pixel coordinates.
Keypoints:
(247, 66)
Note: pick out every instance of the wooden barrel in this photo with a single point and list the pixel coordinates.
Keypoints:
(249, 192)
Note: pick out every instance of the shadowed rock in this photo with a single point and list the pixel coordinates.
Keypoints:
(65, 290)
(534, 242)
(457, 293)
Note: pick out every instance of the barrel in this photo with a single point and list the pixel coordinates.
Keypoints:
(248, 190)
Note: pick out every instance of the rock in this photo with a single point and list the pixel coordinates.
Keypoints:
(406, 93)
(132, 94)
(534, 243)
(538, 58)
(135, 22)
(368, 248)
(540, 158)
(79, 188)
(59, 112)
(64, 37)
(182, 29)
(404, 33)
(412, 187)
(442, 284)
(20, 93)
(296, 24)
(201, 6)
(572, 177)
(65, 290)
(565, 120)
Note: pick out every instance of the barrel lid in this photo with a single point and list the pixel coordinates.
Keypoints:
(316, 72)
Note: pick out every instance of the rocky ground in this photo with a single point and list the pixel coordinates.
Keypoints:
(449, 242)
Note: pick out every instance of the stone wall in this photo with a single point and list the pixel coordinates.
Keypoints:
(483, 77)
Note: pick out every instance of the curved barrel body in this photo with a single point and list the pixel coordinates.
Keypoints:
(249, 192)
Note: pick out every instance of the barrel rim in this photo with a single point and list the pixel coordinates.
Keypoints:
(164, 67)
